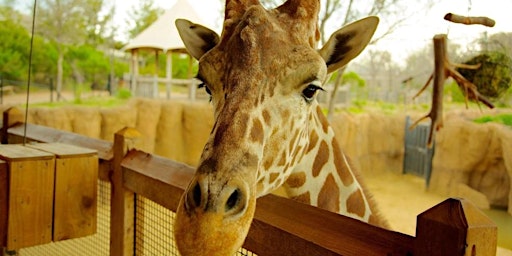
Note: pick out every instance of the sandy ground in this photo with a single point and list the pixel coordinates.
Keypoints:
(402, 197)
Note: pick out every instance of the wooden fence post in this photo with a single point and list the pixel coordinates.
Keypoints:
(455, 227)
(122, 201)
(11, 116)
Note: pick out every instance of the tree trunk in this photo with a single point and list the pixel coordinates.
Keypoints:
(337, 82)
(60, 74)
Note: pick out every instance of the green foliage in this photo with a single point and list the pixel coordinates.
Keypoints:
(354, 79)
(180, 65)
(84, 63)
(90, 63)
(453, 90)
(123, 94)
(350, 77)
(13, 50)
(505, 119)
(493, 77)
(14, 53)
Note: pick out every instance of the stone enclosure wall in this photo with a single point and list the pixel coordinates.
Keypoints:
(471, 160)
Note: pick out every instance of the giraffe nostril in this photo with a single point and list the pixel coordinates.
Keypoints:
(233, 200)
(196, 195)
(193, 197)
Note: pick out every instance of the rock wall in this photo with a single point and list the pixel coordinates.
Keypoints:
(477, 155)
(471, 160)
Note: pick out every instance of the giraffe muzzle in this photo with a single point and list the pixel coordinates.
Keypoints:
(207, 195)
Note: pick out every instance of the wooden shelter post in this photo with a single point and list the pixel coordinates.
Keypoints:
(168, 74)
(134, 70)
(155, 75)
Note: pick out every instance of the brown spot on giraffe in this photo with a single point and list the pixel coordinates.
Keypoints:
(273, 177)
(266, 117)
(323, 121)
(313, 140)
(282, 161)
(285, 115)
(267, 164)
(329, 196)
(354, 203)
(321, 158)
(340, 161)
(257, 131)
(294, 140)
(296, 180)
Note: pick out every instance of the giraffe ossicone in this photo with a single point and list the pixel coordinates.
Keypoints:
(263, 74)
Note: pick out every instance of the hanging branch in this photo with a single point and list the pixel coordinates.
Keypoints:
(444, 69)
(470, 89)
(468, 20)
(439, 76)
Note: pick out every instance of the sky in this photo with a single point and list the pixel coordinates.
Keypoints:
(416, 33)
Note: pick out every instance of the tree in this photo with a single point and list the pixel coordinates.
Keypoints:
(141, 16)
(96, 25)
(61, 22)
(69, 23)
(13, 50)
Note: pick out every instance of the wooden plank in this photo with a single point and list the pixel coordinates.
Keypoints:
(40, 133)
(61, 150)
(17, 152)
(122, 205)
(76, 183)
(75, 205)
(27, 188)
(280, 227)
(37, 133)
(160, 179)
(4, 197)
(455, 227)
(321, 232)
(31, 184)
(482, 236)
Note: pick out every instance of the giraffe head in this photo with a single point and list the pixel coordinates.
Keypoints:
(262, 74)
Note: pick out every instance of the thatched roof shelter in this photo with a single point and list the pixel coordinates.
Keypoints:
(160, 37)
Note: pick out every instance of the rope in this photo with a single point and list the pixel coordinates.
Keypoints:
(29, 72)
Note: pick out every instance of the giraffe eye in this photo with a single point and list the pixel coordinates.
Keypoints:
(201, 85)
(310, 91)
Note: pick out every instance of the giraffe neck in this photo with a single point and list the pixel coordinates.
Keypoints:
(324, 177)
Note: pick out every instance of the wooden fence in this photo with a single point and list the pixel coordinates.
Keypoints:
(281, 226)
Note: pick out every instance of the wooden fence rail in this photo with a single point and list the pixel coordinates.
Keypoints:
(281, 226)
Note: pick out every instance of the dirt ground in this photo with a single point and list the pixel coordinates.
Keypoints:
(402, 197)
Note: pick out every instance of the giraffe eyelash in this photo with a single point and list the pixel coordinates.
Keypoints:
(203, 85)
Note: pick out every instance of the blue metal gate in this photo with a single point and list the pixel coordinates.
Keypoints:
(417, 155)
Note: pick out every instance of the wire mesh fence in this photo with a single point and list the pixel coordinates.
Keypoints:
(153, 229)
(153, 232)
(95, 245)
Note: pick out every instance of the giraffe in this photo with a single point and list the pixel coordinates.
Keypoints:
(263, 74)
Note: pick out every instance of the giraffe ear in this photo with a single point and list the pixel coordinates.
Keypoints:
(348, 42)
(197, 39)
